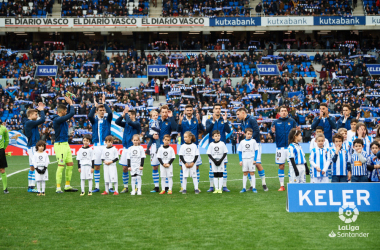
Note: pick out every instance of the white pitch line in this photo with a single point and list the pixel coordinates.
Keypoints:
(26, 169)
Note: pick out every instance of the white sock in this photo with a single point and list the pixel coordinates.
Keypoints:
(89, 185)
(110, 185)
(133, 184)
(225, 176)
(170, 183)
(282, 181)
(82, 184)
(245, 178)
(139, 183)
(39, 186)
(216, 183)
(184, 183)
(211, 177)
(163, 183)
(221, 180)
(253, 181)
(116, 188)
(263, 180)
(195, 181)
(107, 187)
(97, 185)
(43, 186)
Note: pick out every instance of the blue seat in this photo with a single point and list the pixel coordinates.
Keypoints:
(144, 77)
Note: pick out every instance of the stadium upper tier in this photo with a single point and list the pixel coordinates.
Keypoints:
(303, 7)
(182, 8)
(206, 8)
(96, 8)
(37, 8)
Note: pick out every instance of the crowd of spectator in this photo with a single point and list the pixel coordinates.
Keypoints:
(107, 7)
(371, 7)
(342, 80)
(210, 8)
(31, 8)
(306, 8)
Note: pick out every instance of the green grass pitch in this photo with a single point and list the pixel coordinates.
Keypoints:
(152, 221)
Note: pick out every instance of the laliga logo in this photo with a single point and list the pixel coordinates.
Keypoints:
(348, 213)
(332, 234)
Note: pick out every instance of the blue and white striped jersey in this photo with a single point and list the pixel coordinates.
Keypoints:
(367, 143)
(340, 166)
(359, 168)
(295, 151)
(154, 127)
(319, 158)
(347, 145)
(374, 174)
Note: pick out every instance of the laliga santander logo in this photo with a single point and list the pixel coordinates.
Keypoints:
(348, 213)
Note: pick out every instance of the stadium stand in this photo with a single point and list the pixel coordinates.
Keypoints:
(371, 7)
(306, 80)
(98, 8)
(302, 7)
(207, 8)
(11, 8)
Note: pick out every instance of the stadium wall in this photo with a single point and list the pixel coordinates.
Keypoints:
(176, 24)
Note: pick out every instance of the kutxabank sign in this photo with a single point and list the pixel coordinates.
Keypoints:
(187, 21)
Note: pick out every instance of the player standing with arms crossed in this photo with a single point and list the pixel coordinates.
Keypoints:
(131, 127)
(61, 145)
(191, 123)
(247, 121)
(281, 129)
(31, 132)
(101, 128)
(218, 122)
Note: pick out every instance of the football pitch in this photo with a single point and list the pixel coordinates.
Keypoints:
(152, 221)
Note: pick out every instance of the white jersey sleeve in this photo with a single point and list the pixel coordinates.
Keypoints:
(312, 144)
(142, 152)
(239, 147)
(79, 154)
